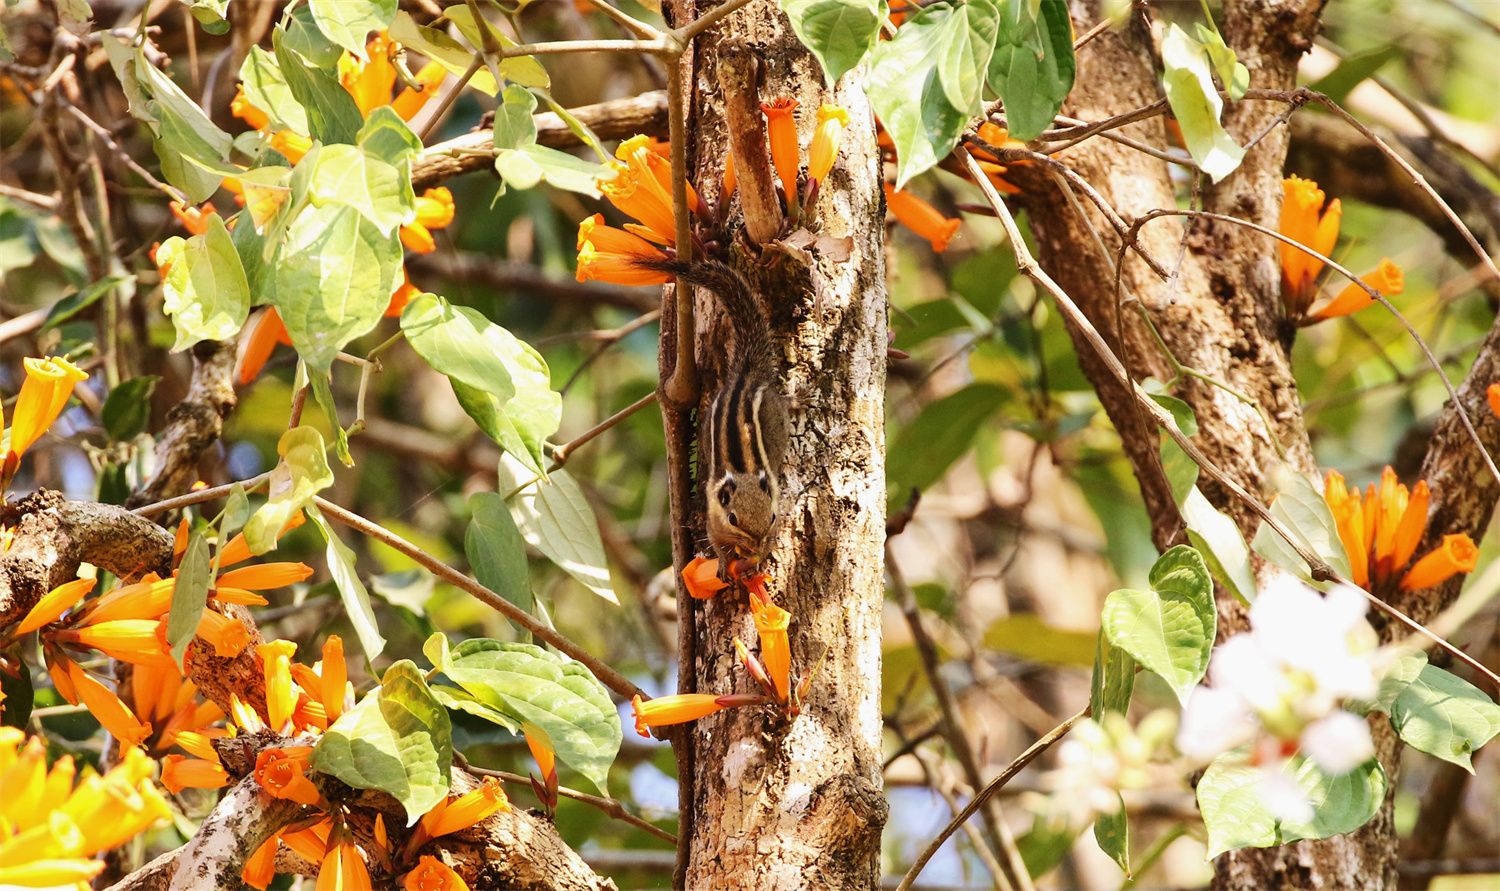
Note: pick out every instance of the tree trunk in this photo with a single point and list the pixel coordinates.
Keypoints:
(772, 802)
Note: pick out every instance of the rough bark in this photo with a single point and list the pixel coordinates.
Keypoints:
(778, 803)
(193, 424)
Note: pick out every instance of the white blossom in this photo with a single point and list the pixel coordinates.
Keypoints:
(1338, 743)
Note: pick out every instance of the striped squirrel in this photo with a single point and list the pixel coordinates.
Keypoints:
(744, 438)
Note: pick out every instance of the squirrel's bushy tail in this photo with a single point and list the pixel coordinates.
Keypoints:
(751, 330)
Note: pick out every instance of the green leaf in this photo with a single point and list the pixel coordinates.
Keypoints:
(1195, 102)
(514, 126)
(345, 175)
(838, 32)
(1221, 544)
(127, 408)
(459, 701)
(1112, 832)
(560, 170)
(436, 45)
(940, 434)
(530, 684)
(387, 137)
(236, 512)
(1300, 508)
(348, 22)
(301, 473)
(966, 47)
(77, 302)
(266, 89)
(555, 518)
(182, 131)
(908, 95)
(496, 550)
(351, 590)
(1028, 636)
(195, 576)
(332, 116)
(1354, 70)
(204, 289)
(398, 739)
(524, 70)
(1396, 678)
(435, 648)
(1444, 715)
(333, 280)
(1236, 816)
(1232, 73)
(1113, 681)
(211, 14)
(499, 379)
(1169, 628)
(1033, 66)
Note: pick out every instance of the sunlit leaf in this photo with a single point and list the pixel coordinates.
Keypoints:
(838, 32)
(189, 596)
(1236, 815)
(352, 591)
(1033, 66)
(301, 473)
(348, 22)
(908, 95)
(204, 288)
(1189, 85)
(1170, 627)
(555, 518)
(1445, 716)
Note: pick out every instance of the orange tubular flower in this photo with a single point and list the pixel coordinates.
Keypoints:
(466, 810)
(241, 107)
(369, 82)
(137, 641)
(153, 690)
(229, 637)
(343, 868)
(825, 143)
(281, 692)
(410, 101)
(261, 336)
(642, 188)
(260, 867)
(434, 211)
(921, 218)
(433, 874)
(44, 394)
(244, 714)
(54, 603)
(291, 144)
(196, 744)
(266, 576)
(58, 668)
(334, 677)
(193, 219)
(771, 623)
(310, 843)
(150, 598)
(701, 578)
(1456, 554)
(1304, 220)
(609, 254)
(999, 137)
(282, 773)
(541, 748)
(1387, 279)
(730, 179)
(238, 551)
(678, 708)
(115, 716)
(1381, 532)
(179, 772)
(781, 132)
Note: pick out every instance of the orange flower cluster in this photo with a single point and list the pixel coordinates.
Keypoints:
(1381, 531)
(44, 394)
(772, 670)
(51, 827)
(995, 135)
(1306, 220)
(370, 83)
(299, 698)
(327, 842)
(129, 623)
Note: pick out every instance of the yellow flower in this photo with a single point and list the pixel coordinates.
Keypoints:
(609, 254)
(434, 211)
(229, 637)
(678, 708)
(1387, 279)
(281, 692)
(179, 772)
(244, 714)
(921, 218)
(241, 107)
(701, 578)
(369, 82)
(137, 641)
(50, 873)
(433, 874)
(642, 188)
(411, 101)
(283, 774)
(781, 132)
(150, 598)
(825, 143)
(194, 743)
(53, 604)
(44, 394)
(1304, 220)
(291, 144)
(771, 623)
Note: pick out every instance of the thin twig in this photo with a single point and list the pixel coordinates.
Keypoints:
(561, 454)
(627, 21)
(983, 795)
(610, 806)
(202, 495)
(612, 679)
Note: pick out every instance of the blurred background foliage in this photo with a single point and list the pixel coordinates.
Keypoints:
(1028, 513)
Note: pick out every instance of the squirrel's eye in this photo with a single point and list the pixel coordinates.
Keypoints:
(765, 483)
(724, 497)
(733, 520)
